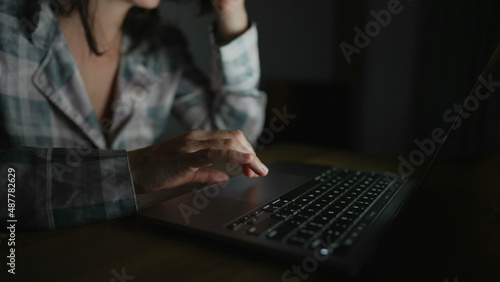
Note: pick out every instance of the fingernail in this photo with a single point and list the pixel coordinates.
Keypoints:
(264, 168)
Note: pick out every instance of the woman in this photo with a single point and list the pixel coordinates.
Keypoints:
(86, 89)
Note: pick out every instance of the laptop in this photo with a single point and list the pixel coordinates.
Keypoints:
(317, 215)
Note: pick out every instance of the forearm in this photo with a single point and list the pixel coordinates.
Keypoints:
(235, 79)
(235, 101)
(63, 187)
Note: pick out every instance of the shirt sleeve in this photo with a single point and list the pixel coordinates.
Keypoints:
(56, 187)
(231, 100)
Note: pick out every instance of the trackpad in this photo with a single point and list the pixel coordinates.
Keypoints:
(262, 189)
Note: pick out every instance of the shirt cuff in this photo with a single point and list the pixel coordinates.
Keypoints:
(233, 49)
(236, 66)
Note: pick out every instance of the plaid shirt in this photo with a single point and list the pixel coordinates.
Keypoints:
(67, 171)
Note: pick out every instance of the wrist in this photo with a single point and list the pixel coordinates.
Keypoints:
(231, 24)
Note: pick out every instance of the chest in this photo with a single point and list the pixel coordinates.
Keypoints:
(99, 77)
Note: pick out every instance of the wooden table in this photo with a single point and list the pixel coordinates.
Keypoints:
(451, 228)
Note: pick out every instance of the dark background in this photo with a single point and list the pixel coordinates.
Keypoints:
(395, 91)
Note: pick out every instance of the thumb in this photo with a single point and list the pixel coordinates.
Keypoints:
(209, 176)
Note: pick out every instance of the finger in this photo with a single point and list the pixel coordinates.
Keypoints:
(230, 144)
(258, 167)
(255, 165)
(232, 138)
(248, 171)
(209, 176)
(210, 156)
(237, 135)
(227, 144)
(220, 134)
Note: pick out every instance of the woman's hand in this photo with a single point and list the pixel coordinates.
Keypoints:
(186, 158)
(232, 20)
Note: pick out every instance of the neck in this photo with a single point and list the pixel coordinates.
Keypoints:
(105, 19)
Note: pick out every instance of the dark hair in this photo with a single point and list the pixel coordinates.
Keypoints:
(140, 24)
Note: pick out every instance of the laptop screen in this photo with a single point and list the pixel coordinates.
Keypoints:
(417, 163)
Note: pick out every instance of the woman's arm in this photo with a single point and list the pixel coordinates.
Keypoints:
(70, 186)
(56, 187)
(232, 19)
(232, 100)
(187, 158)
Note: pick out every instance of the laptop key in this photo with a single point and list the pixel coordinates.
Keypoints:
(328, 213)
(295, 206)
(305, 235)
(321, 219)
(300, 190)
(295, 240)
(263, 226)
(234, 226)
(238, 223)
(278, 216)
(281, 231)
(331, 234)
(318, 213)
(286, 211)
(296, 222)
(308, 212)
(312, 227)
(269, 208)
(306, 231)
(279, 202)
(254, 220)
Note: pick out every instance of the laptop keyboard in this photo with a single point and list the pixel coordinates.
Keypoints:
(331, 211)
